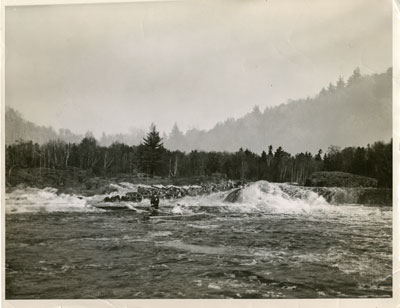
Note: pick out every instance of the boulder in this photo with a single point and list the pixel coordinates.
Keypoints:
(234, 196)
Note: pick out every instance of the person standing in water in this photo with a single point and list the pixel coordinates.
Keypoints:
(154, 201)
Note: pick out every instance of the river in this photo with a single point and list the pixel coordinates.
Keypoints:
(274, 242)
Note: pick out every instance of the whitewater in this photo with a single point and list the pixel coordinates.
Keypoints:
(269, 240)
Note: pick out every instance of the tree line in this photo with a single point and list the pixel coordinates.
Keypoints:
(153, 159)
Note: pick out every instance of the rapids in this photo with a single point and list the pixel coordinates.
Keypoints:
(270, 240)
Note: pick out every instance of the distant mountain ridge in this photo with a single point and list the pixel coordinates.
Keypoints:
(18, 129)
(354, 113)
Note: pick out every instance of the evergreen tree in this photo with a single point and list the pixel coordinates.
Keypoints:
(318, 156)
(176, 139)
(355, 76)
(340, 83)
(152, 149)
(263, 156)
(256, 110)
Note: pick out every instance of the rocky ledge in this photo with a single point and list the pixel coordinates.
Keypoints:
(174, 192)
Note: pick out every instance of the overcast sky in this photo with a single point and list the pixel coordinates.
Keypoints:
(109, 67)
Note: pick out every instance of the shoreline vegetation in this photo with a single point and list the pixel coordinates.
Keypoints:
(88, 166)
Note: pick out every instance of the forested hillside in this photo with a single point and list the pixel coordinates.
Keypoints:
(351, 113)
(17, 129)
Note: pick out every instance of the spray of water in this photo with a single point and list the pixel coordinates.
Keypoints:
(258, 197)
(44, 200)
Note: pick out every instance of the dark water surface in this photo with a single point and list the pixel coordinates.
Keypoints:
(334, 251)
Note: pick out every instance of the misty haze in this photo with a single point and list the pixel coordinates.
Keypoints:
(356, 113)
(214, 149)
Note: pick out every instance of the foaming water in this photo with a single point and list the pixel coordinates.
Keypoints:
(123, 188)
(260, 197)
(271, 240)
(29, 200)
(271, 197)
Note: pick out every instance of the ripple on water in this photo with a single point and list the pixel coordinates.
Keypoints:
(201, 249)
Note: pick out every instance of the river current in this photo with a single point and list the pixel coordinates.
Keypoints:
(276, 241)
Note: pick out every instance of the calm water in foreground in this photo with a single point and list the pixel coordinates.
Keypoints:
(270, 244)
